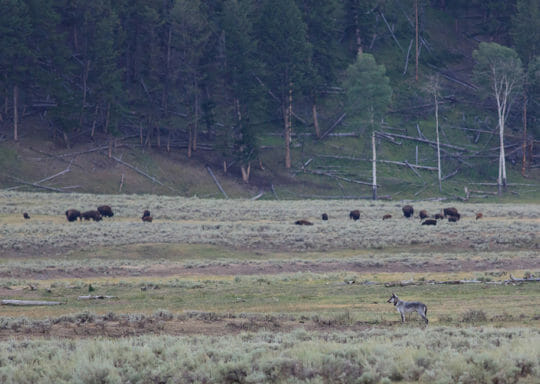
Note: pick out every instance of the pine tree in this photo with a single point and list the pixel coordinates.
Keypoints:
(189, 36)
(321, 18)
(16, 57)
(285, 52)
(240, 63)
(368, 95)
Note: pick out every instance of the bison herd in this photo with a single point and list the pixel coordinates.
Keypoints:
(450, 213)
(98, 214)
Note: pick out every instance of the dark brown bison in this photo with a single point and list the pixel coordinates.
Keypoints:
(147, 218)
(73, 214)
(453, 219)
(324, 216)
(26, 215)
(479, 215)
(303, 222)
(105, 210)
(438, 216)
(450, 212)
(387, 216)
(429, 222)
(408, 210)
(146, 213)
(423, 214)
(94, 215)
(355, 215)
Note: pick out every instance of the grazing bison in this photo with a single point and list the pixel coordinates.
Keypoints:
(479, 215)
(408, 210)
(423, 214)
(324, 216)
(303, 222)
(438, 216)
(146, 213)
(429, 222)
(147, 218)
(453, 219)
(94, 215)
(26, 215)
(450, 212)
(73, 214)
(355, 215)
(105, 210)
(387, 216)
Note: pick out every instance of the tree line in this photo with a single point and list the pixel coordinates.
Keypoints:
(181, 68)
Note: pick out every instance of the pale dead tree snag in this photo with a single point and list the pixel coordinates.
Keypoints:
(434, 88)
(246, 170)
(287, 118)
(500, 72)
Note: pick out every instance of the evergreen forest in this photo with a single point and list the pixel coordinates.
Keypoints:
(438, 94)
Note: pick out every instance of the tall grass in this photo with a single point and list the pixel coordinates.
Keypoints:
(258, 224)
(441, 354)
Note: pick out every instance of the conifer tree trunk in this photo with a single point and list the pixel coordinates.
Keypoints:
(94, 122)
(316, 119)
(524, 144)
(416, 16)
(190, 141)
(357, 34)
(288, 129)
(196, 124)
(15, 113)
(374, 165)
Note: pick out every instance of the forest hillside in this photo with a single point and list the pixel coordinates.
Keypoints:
(271, 98)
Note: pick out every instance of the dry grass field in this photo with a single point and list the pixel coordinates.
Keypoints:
(233, 291)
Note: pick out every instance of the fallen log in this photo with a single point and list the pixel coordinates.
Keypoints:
(336, 123)
(338, 177)
(216, 181)
(422, 140)
(96, 297)
(30, 302)
(36, 185)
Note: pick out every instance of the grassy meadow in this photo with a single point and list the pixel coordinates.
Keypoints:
(220, 291)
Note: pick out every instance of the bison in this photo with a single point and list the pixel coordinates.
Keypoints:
(355, 215)
(303, 222)
(26, 215)
(438, 216)
(423, 214)
(73, 214)
(479, 215)
(94, 215)
(408, 210)
(146, 213)
(387, 216)
(450, 212)
(147, 218)
(429, 222)
(453, 219)
(105, 210)
(324, 216)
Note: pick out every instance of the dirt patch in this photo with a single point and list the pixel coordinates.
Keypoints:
(116, 328)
